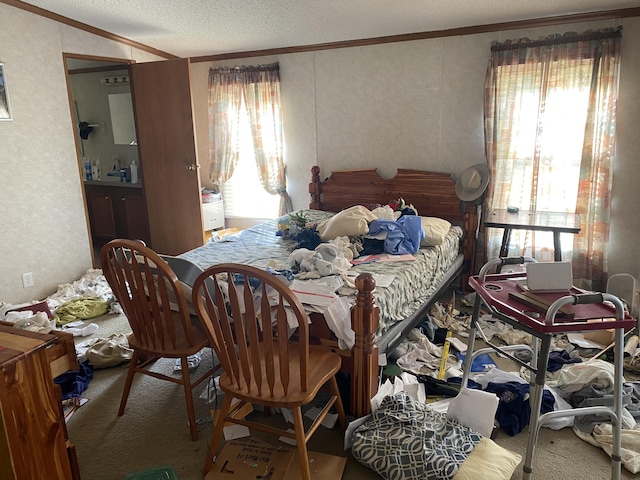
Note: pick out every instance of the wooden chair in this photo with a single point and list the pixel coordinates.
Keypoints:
(261, 365)
(156, 305)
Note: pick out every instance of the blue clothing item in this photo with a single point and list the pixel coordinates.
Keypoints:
(558, 359)
(308, 238)
(403, 236)
(514, 410)
(73, 383)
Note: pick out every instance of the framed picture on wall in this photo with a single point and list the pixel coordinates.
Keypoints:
(5, 111)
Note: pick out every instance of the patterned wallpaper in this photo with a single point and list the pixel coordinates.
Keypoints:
(419, 105)
(413, 105)
(41, 205)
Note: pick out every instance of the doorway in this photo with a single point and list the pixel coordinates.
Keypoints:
(102, 111)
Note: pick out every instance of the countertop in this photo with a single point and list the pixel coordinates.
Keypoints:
(113, 183)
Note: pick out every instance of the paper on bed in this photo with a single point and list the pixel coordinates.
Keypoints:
(336, 310)
(383, 280)
(383, 257)
(313, 293)
(338, 318)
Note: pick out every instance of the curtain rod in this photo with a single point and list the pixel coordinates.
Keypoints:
(569, 37)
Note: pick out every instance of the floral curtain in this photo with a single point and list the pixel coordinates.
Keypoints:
(550, 109)
(225, 106)
(258, 89)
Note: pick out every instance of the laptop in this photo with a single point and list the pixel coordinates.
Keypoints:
(549, 277)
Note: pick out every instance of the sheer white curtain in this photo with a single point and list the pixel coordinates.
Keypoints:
(550, 134)
(238, 95)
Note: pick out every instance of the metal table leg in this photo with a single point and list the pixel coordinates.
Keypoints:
(535, 401)
(468, 359)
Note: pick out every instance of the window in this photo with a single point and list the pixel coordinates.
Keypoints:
(244, 195)
(543, 157)
(246, 140)
(550, 108)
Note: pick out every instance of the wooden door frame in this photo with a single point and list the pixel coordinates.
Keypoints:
(123, 62)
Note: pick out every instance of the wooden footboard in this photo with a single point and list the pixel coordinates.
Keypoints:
(364, 321)
(360, 363)
(432, 194)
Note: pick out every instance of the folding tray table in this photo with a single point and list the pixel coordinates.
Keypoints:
(544, 315)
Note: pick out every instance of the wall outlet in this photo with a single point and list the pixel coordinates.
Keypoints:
(27, 280)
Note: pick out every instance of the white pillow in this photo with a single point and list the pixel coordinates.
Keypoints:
(351, 221)
(435, 230)
(384, 213)
(488, 461)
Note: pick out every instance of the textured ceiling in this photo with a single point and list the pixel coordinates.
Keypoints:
(189, 28)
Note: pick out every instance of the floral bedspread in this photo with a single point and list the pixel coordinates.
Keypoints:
(414, 281)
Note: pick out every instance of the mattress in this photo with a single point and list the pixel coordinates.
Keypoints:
(414, 281)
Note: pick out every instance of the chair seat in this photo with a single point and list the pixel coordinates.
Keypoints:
(153, 299)
(234, 302)
(322, 366)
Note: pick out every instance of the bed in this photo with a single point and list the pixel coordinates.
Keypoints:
(433, 195)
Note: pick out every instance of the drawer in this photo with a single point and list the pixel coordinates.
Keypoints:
(212, 215)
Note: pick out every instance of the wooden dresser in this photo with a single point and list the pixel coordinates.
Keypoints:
(33, 434)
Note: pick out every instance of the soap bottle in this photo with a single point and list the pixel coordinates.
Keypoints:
(98, 170)
(134, 172)
(87, 168)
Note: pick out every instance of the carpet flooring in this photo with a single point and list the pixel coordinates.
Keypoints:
(154, 432)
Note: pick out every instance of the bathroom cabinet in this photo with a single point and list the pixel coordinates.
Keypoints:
(116, 212)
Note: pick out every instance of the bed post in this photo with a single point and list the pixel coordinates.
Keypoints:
(315, 189)
(364, 321)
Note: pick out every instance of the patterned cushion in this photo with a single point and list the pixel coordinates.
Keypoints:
(407, 440)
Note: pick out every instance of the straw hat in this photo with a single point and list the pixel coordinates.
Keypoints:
(472, 183)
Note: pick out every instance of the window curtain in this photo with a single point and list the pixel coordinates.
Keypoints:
(549, 112)
(258, 89)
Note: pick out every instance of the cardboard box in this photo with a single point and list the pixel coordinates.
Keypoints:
(251, 458)
(242, 413)
(322, 466)
(603, 337)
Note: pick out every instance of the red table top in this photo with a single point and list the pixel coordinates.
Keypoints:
(495, 290)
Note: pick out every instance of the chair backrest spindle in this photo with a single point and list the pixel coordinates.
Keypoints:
(250, 329)
(149, 292)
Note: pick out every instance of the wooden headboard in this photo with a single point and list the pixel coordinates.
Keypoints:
(433, 194)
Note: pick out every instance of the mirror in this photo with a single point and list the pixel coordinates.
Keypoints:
(122, 123)
(104, 132)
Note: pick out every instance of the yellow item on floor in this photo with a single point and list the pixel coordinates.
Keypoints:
(81, 308)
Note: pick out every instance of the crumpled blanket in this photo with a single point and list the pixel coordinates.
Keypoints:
(105, 352)
(573, 377)
(351, 221)
(33, 322)
(326, 259)
(416, 354)
(602, 437)
(92, 284)
(82, 308)
(405, 439)
(403, 235)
